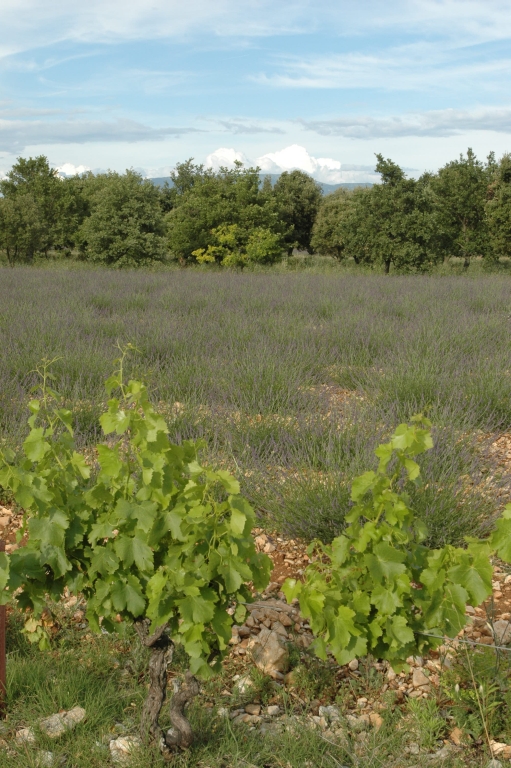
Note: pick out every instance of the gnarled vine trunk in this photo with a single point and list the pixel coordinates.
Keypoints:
(162, 650)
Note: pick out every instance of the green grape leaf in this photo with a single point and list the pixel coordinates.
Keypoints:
(291, 588)
(475, 578)
(79, 463)
(237, 522)
(109, 461)
(399, 632)
(385, 600)
(103, 561)
(501, 537)
(361, 485)
(35, 446)
(195, 609)
(128, 595)
(230, 483)
(133, 550)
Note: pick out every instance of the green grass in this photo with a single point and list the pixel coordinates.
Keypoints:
(291, 378)
(107, 676)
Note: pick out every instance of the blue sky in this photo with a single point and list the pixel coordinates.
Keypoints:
(312, 83)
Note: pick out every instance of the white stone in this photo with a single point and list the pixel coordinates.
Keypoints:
(419, 678)
(56, 725)
(269, 652)
(273, 710)
(123, 748)
(353, 665)
(502, 631)
(45, 759)
(243, 684)
(330, 712)
(26, 736)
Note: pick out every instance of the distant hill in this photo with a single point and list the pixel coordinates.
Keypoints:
(327, 188)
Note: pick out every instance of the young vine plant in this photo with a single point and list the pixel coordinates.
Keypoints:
(140, 528)
(377, 589)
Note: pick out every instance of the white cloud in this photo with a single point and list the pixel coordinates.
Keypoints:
(295, 157)
(68, 169)
(446, 122)
(324, 169)
(226, 158)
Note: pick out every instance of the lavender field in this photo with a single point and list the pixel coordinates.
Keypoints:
(291, 379)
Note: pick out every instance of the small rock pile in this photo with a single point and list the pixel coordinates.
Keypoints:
(269, 626)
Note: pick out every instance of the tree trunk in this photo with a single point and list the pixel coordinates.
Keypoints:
(181, 735)
(162, 650)
(387, 266)
(466, 262)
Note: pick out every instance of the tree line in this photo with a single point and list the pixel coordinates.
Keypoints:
(230, 218)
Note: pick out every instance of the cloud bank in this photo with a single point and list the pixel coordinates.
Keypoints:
(225, 158)
(68, 169)
(16, 135)
(296, 157)
(446, 122)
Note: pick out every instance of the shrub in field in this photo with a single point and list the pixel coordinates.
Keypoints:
(377, 589)
(148, 536)
(235, 247)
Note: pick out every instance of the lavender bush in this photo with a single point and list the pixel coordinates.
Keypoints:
(292, 379)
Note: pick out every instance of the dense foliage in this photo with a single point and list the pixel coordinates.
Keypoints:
(377, 588)
(232, 218)
(146, 533)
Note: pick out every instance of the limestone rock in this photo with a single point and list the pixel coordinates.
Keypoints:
(253, 709)
(45, 759)
(419, 678)
(123, 748)
(501, 750)
(269, 652)
(243, 684)
(56, 725)
(502, 631)
(330, 713)
(25, 736)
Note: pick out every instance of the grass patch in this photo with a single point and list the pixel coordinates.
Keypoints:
(262, 365)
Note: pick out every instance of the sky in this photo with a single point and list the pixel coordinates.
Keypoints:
(321, 85)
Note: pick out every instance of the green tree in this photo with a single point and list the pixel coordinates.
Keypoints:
(298, 199)
(74, 207)
(35, 177)
(234, 246)
(340, 223)
(460, 191)
(126, 226)
(205, 200)
(498, 210)
(398, 227)
(388, 224)
(21, 228)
